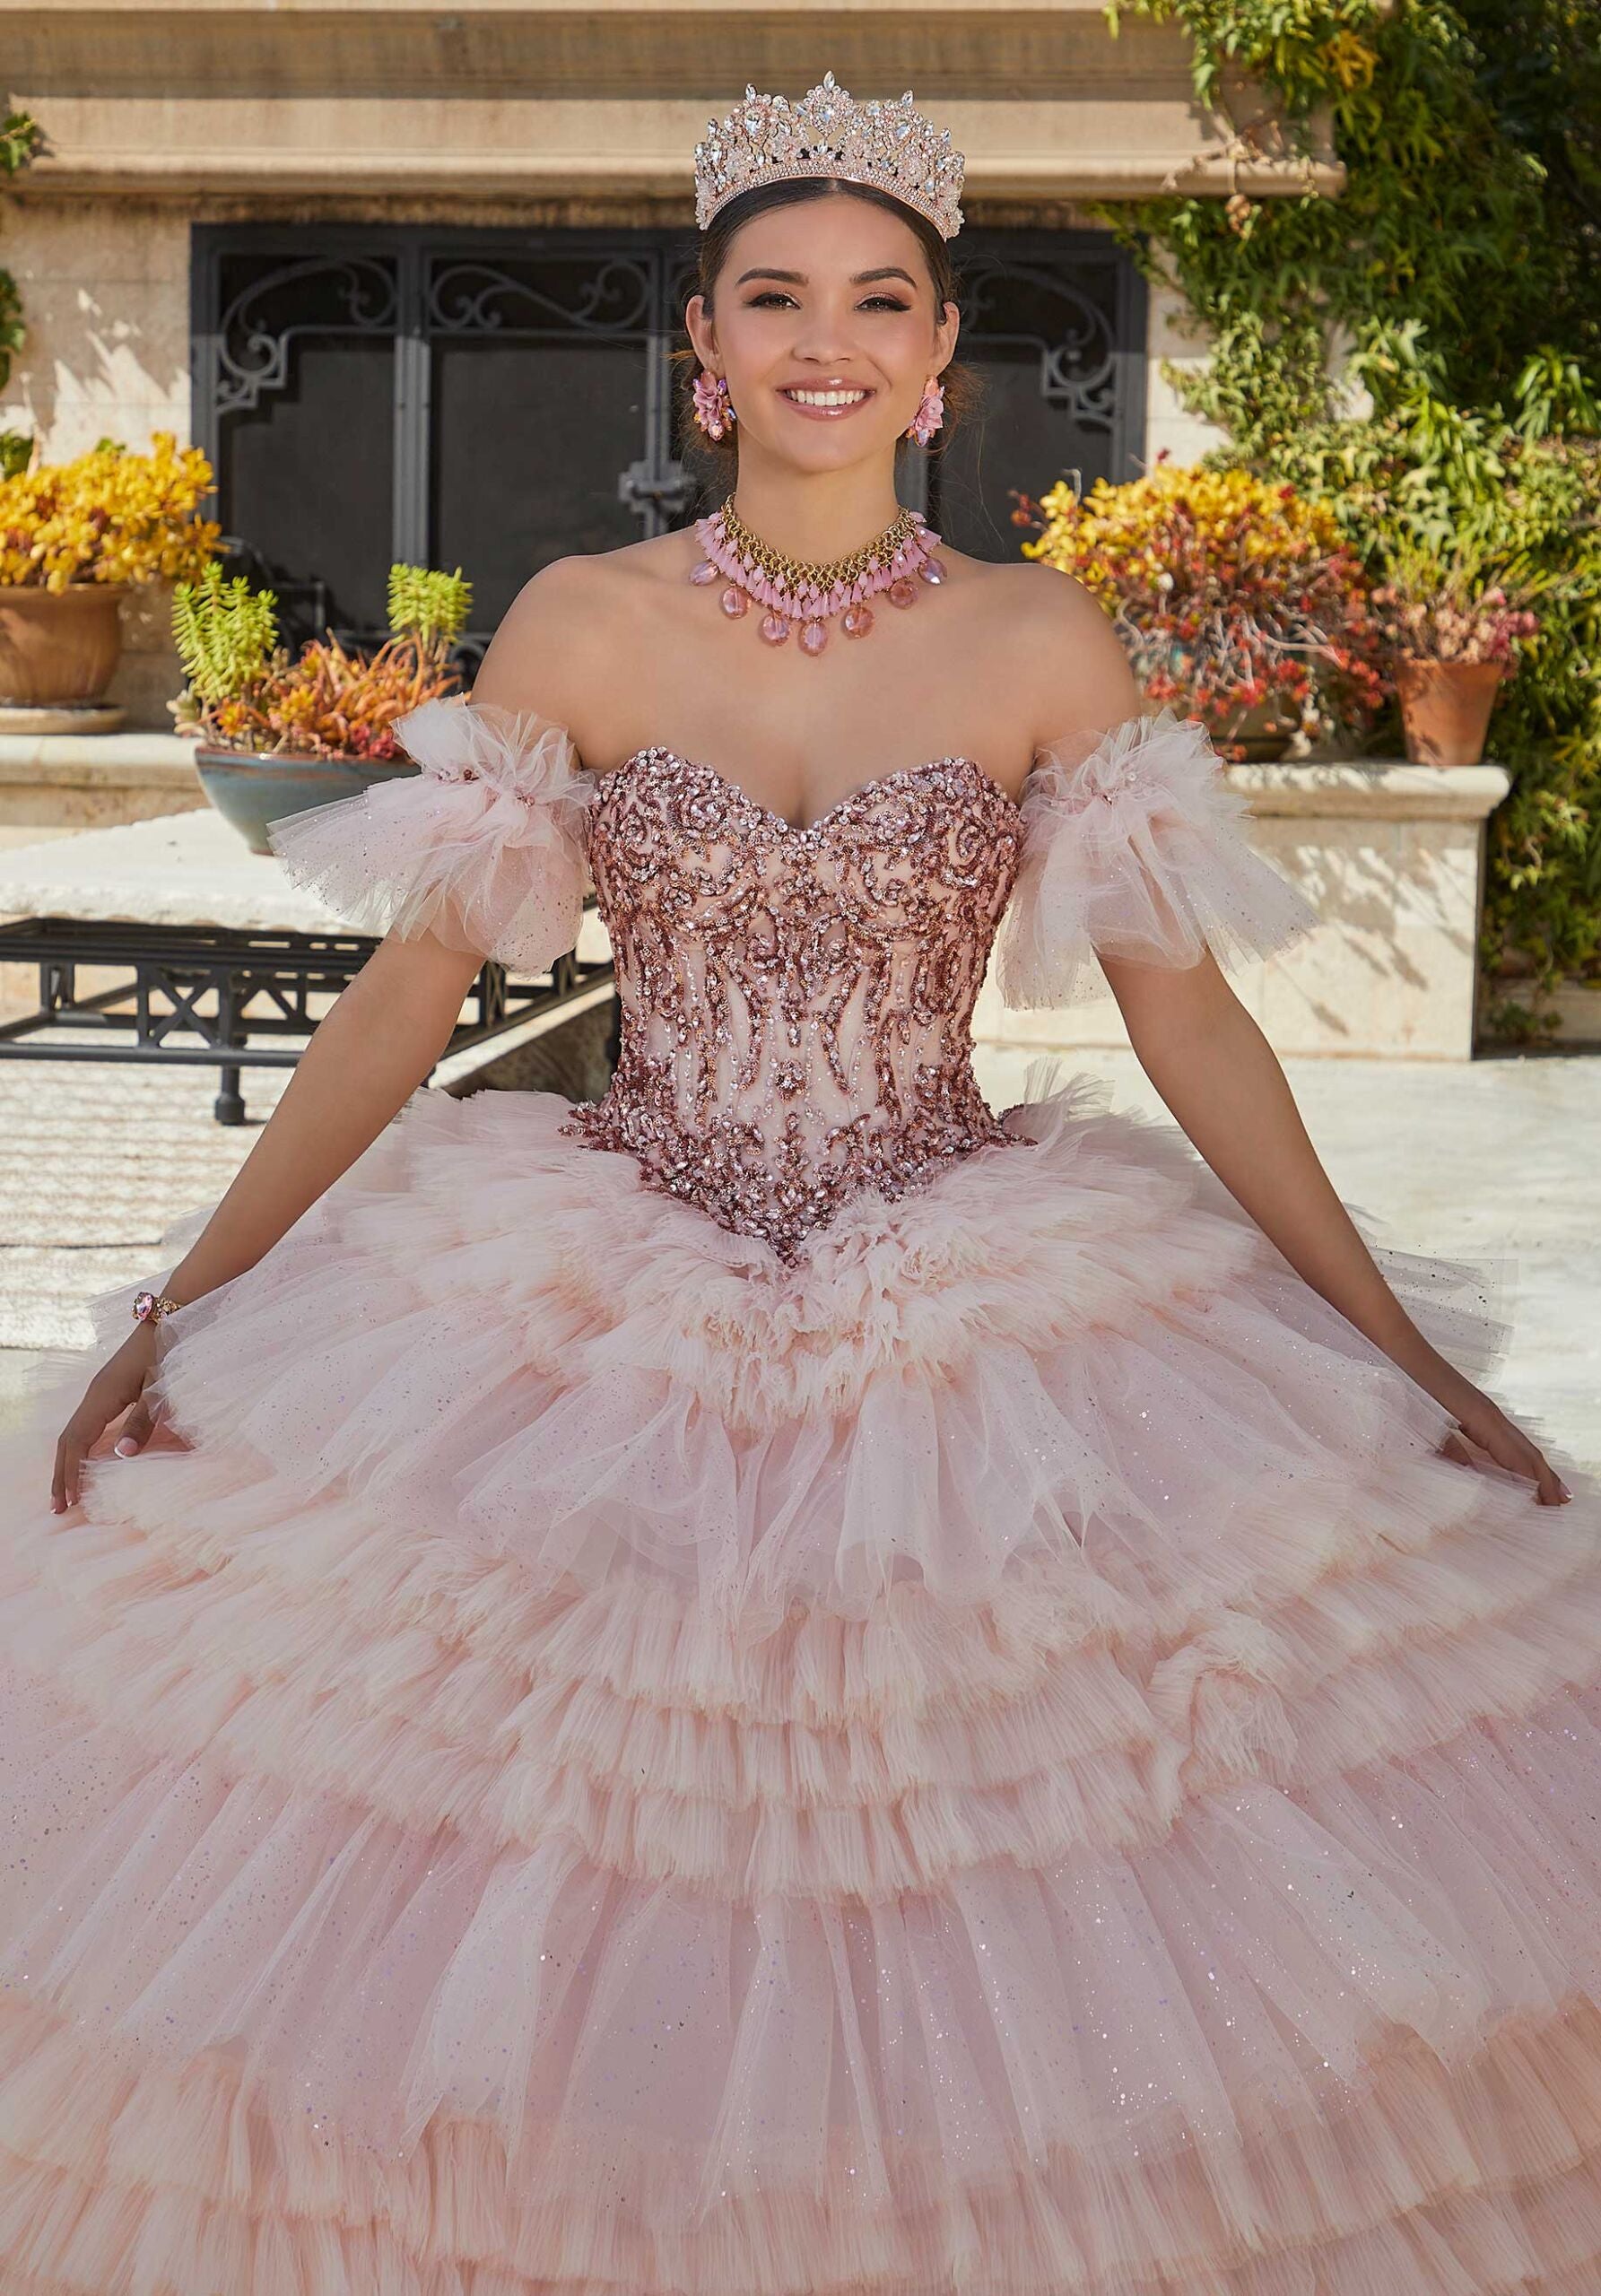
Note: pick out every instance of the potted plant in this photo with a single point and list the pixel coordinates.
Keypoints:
(278, 732)
(1237, 598)
(1452, 636)
(73, 537)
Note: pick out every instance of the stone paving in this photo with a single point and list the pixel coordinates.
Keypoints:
(1498, 1161)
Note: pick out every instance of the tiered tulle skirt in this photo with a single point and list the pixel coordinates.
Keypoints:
(1000, 1757)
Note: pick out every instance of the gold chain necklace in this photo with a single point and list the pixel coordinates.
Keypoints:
(798, 590)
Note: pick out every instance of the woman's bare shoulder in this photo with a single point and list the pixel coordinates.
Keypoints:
(558, 644)
(1071, 662)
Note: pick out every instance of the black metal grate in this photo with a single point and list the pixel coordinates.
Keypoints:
(496, 399)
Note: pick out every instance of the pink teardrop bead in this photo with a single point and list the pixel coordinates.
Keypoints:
(705, 572)
(734, 602)
(775, 628)
(902, 592)
(933, 569)
(814, 637)
(857, 620)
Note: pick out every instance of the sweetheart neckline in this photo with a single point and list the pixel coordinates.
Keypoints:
(781, 821)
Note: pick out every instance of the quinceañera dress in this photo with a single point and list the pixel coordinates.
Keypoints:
(776, 1685)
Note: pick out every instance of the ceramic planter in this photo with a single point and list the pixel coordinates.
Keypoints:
(1445, 708)
(58, 647)
(250, 789)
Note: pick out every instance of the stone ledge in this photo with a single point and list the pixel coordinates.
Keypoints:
(184, 869)
(97, 760)
(1578, 1008)
(1373, 789)
(55, 785)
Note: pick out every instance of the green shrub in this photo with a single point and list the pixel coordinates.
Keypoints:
(1455, 271)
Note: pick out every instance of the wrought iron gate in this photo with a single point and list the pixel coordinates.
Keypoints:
(498, 398)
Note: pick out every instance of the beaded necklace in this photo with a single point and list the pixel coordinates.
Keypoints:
(798, 591)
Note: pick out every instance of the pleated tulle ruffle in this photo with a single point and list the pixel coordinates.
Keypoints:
(485, 847)
(1134, 851)
(570, 1368)
(999, 1755)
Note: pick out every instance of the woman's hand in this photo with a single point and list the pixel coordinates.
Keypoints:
(370, 1052)
(1486, 1426)
(1483, 1421)
(121, 1383)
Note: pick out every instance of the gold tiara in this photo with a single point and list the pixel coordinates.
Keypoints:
(888, 144)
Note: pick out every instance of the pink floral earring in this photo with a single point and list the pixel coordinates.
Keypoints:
(930, 413)
(712, 410)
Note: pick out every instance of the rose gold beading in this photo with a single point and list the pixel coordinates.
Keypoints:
(797, 1001)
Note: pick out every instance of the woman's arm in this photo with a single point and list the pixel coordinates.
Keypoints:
(483, 858)
(1216, 1072)
(1218, 1075)
(370, 1053)
(376, 1045)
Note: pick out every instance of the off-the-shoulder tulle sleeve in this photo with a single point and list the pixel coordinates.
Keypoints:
(1132, 848)
(485, 847)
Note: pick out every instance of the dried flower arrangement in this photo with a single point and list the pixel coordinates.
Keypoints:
(1236, 598)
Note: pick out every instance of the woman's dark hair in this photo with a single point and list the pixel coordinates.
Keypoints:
(961, 388)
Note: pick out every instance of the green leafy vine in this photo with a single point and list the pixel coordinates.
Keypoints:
(19, 138)
(1424, 349)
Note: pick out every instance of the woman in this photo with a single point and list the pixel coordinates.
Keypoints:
(774, 1683)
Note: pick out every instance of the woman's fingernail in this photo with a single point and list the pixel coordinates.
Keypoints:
(126, 1447)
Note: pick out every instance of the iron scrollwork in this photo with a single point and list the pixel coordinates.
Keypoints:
(611, 296)
(1078, 364)
(254, 353)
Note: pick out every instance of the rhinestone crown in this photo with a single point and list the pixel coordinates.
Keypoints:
(889, 144)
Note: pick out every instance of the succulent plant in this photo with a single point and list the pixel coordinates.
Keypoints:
(431, 604)
(1228, 591)
(225, 633)
(244, 691)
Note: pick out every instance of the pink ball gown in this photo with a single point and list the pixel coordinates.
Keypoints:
(776, 1685)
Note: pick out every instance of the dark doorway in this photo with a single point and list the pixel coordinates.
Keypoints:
(496, 399)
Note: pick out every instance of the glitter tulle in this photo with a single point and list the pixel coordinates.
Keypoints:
(814, 1727)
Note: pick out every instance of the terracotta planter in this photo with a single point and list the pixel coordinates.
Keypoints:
(251, 788)
(58, 647)
(1445, 708)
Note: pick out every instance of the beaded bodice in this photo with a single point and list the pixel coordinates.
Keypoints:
(795, 1002)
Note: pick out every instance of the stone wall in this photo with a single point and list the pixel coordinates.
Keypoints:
(1391, 856)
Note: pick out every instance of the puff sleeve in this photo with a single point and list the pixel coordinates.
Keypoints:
(486, 845)
(1132, 848)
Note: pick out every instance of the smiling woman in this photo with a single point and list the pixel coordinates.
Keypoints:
(890, 289)
(780, 1682)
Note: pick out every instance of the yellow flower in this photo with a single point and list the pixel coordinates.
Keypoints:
(109, 516)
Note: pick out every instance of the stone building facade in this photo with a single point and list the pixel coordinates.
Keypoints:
(409, 271)
(412, 272)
